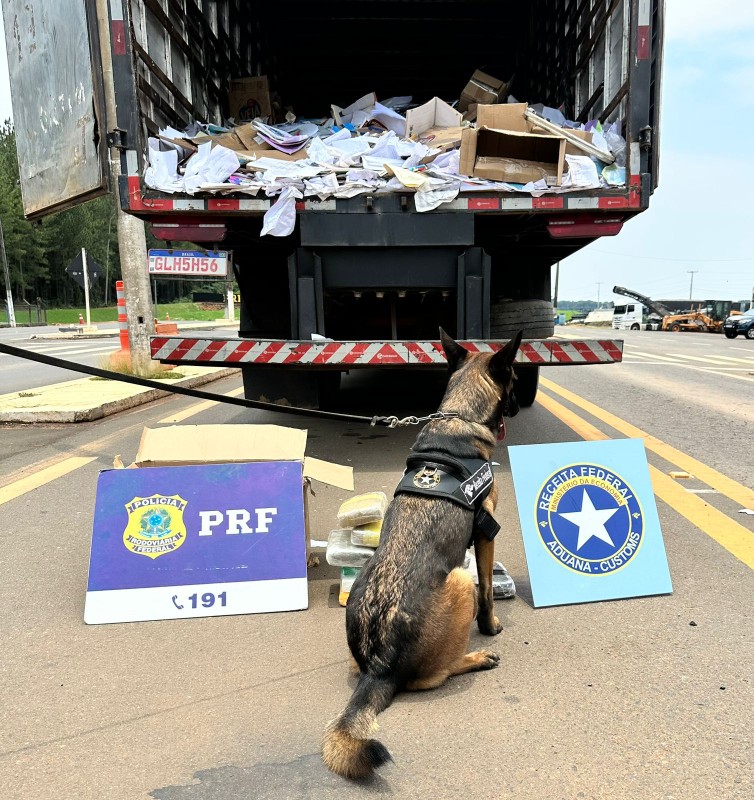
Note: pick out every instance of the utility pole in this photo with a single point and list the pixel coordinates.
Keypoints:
(132, 241)
(598, 294)
(86, 288)
(557, 278)
(691, 272)
(8, 293)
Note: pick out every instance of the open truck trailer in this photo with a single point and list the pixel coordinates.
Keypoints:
(370, 274)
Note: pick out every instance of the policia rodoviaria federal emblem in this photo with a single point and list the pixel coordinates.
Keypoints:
(155, 525)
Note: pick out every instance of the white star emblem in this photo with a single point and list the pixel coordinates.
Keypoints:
(590, 521)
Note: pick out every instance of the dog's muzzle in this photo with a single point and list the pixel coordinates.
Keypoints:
(511, 405)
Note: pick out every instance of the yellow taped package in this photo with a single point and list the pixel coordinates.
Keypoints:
(362, 509)
(367, 535)
(347, 577)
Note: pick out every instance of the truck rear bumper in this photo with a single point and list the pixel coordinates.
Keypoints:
(346, 355)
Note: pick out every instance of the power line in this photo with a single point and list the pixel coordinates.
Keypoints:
(660, 258)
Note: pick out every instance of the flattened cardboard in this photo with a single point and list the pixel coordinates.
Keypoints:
(249, 98)
(504, 117)
(434, 114)
(217, 444)
(482, 88)
(329, 473)
(178, 445)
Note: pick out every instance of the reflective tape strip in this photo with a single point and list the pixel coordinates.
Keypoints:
(517, 203)
(573, 203)
(320, 205)
(189, 205)
(132, 162)
(310, 354)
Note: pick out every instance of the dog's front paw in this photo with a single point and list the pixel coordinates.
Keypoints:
(489, 659)
(490, 627)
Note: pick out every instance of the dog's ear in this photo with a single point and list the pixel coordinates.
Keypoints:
(502, 361)
(454, 352)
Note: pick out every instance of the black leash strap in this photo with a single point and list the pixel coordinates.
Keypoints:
(235, 401)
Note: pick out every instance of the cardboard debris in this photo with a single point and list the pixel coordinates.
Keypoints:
(434, 115)
(482, 88)
(249, 98)
(512, 156)
(369, 148)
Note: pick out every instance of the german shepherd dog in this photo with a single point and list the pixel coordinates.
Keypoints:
(409, 613)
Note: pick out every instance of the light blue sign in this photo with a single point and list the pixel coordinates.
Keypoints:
(589, 521)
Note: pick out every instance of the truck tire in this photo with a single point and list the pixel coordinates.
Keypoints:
(525, 388)
(535, 317)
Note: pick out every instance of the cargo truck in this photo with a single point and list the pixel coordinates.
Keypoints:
(366, 281)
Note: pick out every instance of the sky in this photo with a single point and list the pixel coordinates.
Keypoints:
(700, 221)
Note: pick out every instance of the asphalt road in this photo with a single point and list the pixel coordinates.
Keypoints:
(18, 376)
(643, 699)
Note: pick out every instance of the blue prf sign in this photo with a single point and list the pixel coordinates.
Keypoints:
(589, 521)
(194, 541)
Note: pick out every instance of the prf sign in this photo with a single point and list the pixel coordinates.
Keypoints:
(207, 265)
(190, 541)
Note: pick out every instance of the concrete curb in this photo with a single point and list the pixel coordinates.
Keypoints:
(114, 333)
(107, 408)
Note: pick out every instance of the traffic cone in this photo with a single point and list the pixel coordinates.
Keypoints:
(81, 319)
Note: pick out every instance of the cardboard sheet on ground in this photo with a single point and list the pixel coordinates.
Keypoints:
(589, 521)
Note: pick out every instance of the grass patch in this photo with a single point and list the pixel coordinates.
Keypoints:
(183, 312)
(121, 363)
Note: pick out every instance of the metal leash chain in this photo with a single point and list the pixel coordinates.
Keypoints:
(390, 422)
(395, 422)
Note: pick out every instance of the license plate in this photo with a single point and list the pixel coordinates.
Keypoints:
(188, 263)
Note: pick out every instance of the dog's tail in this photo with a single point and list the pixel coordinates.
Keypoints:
(346, 748)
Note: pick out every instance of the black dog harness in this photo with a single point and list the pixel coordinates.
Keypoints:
(464, 481)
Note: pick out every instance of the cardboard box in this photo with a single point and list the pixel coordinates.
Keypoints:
(512, 156)
(434, 115)
(505, 117)
(209, 520)
(482, 88)
(249, 98)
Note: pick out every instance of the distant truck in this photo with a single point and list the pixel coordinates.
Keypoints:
(362, 282)
(630, 317)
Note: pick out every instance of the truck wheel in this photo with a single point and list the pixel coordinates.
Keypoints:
(636, 327)
(534, 317)
(675, 327)
(525, 388)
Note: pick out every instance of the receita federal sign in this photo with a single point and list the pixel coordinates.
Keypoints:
(589, 521)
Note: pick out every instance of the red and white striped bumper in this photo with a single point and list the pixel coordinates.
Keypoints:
(348, 355)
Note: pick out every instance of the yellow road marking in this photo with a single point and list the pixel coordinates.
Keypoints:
(197, 408)
(736, 539)
(727, 486)
(44, 476)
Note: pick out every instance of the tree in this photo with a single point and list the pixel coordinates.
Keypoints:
(24, 247)
(38, 253)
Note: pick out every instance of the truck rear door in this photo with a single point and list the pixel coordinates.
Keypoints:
(58, 102)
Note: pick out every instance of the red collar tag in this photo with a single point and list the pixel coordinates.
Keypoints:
(501, 431)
